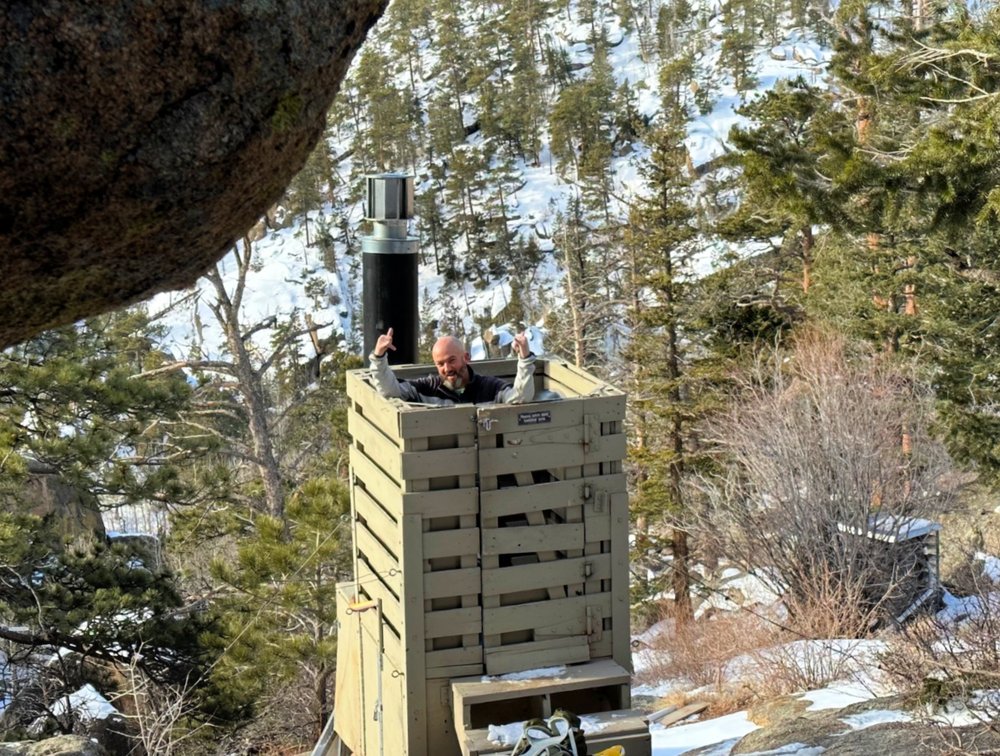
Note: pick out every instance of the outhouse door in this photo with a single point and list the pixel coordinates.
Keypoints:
(545, 523)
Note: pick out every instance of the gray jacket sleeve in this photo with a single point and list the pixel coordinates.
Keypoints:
(523, 390)
(388, 385)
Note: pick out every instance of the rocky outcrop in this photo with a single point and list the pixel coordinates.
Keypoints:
(74, 513)
(64, 745)
(138, 140)
(844, 732)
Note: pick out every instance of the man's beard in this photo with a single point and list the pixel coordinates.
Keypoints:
(454, 382)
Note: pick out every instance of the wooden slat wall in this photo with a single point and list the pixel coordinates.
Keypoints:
(480, 569)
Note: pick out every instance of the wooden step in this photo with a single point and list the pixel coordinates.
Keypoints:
(625, 727)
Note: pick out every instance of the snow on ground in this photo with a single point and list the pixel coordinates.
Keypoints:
(87, 703)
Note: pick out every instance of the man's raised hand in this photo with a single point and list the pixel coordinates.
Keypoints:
(384, 343)
(520, 345)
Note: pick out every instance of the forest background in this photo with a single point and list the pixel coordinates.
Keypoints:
(802, 310)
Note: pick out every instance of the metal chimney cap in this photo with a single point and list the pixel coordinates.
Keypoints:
(389, 197)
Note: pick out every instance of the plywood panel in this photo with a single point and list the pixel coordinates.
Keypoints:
(400, 738)
(372, 586)
(347, 713)
(533, 538)
(441, 738)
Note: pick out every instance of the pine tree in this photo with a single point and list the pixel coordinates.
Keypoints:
(279, 609)
(660, 233)
(73, 402)
(786, 161)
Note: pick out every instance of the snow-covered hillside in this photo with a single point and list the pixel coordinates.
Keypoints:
(290, 278)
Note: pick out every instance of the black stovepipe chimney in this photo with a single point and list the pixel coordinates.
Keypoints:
(390, 267)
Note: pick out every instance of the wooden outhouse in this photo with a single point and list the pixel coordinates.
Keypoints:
(488, 539)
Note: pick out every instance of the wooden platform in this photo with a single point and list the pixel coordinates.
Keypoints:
(478, 700)
(597, 690)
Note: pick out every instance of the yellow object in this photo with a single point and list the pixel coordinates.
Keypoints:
(615, 750)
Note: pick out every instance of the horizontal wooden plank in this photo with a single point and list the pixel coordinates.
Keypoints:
(597, 522)
(503, 580)
(425, 422)
(554, 617)
(513, 460)
(438, 463)
(463, 582)
(379, 522)
(532, 538)
(451, 543)
(533, 498)
(544, 417)
(442, 503)
(605, 409)
(436, 673)
(599, 673)
(384, 488)
(368, 402)
(606, 449)
(376, 444)
(447, 622)
(383, 562)
(583, 382)
(454, 657)
(524, 656)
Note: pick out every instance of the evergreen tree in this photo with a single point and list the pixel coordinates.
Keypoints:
(661, 233)
(74, 403)
(279, 609)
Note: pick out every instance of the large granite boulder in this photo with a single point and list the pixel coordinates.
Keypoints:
(140, 138)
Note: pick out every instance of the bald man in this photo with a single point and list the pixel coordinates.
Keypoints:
(455, 382)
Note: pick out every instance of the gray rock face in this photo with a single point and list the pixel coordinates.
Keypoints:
(828, 733)
(140, 138)
(64, 745)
